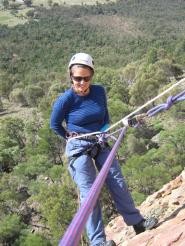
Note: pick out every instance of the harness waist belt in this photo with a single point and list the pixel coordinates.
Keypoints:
(75, 134)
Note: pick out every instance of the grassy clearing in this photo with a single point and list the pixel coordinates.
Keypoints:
(69, 2)
(6, 18)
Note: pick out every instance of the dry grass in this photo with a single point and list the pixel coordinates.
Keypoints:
(16, 111)
(69, 2)
(6, 18)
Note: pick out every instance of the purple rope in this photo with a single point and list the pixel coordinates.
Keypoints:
(164, 106)
(75, 229)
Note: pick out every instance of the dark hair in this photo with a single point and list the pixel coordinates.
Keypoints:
(82, 66)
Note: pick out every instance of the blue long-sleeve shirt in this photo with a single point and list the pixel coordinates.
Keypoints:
(82, 114)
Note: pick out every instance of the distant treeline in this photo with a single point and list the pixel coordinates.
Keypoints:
(32, 51)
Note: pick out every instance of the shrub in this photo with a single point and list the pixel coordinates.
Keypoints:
(17, 96)
(33, 94)
(10, 227)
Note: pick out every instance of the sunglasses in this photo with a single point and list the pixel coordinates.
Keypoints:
(79, 78)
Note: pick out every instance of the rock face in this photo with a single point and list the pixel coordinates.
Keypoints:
(168, 205)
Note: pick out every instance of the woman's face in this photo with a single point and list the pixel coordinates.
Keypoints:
(81, 79)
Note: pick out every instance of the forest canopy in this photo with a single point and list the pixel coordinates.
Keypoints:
(139, 51)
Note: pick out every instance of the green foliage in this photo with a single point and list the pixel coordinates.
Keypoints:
(55, 173)
(28, 3)
(177, 112)
(117, 109)
(147, 172)
(5, 86)
(151, 56)
(107, 77)
(5, 3)
(55, 89)
(10, 227)
(14, 129)
(1, 105)
(173, 144)
(17, 96)
(30, 13)
(144, 176)
(14, 6)
(35, 166)
(9, 155)
(33, 94)
(180, 50)
(138, 197)
(150, 78)
(12, 142)
(119, 90)
(39, 47)
(135, 145)
(30, 239)
(8, 196)
(57, 206)
(50, 144)
(129, 72)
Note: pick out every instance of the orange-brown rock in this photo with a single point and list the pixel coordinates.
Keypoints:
(168, 205)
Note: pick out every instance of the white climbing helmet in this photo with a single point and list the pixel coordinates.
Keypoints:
(82, 58)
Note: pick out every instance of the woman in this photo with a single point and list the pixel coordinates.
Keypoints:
(83, 107)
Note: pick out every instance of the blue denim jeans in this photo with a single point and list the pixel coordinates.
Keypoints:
(83, 171)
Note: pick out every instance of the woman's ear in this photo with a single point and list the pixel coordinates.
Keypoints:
(70, 77)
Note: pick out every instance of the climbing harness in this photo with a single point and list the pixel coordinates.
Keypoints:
(72, 235)
(96, 144)
(74, 231)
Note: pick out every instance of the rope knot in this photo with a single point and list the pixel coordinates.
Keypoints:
(169, 102)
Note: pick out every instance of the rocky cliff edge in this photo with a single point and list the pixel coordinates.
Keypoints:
(168, 205)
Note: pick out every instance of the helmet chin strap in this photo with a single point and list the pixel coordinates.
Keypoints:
(80, 92)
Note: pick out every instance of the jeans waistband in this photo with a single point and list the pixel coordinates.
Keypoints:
(75, 134)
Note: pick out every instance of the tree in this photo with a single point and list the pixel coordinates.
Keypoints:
(10, 228)
(5, 87)
(51, 145)
(117, 109)
(146, 174)
(33, 94)
(28, 3)
(135, 145)
(172, 146)
(58, 204)
(14, 6)
(12, 142)
(50, 2)
(14, 129)
(150, 78)
(129, 73)
(119, 90)
(1, 105)
(151, 56)
(5, 3)
(30, 239)
(10, 154)
(33, 167)
(30, 13)
(17, 96)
